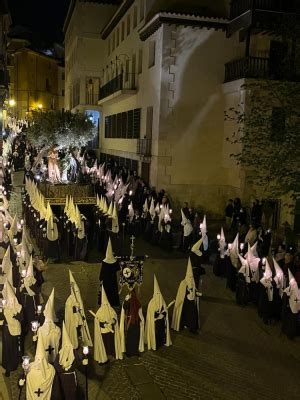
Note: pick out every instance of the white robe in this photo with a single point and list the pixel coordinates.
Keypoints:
(150, 338)
(73, 321)
(180, 297)
(99, 349)
(51, 337)
(36, 380)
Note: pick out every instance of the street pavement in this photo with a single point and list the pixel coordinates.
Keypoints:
(235, 356)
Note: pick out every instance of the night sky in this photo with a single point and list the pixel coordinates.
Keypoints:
(44, 18)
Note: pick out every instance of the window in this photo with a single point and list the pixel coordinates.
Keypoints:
(142, 10)
(278, 123)
(123, 31)
(134, 17)
(140, 65)
(63, 75)
(63, 92)
(151, 54)
(128, 24)
(126, 125)
(118, 37)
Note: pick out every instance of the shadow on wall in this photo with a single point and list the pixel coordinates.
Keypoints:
(196, 117)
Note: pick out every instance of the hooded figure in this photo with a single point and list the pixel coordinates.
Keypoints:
(290, 308)
(39, 380)
(12, 342)
(132, 326)
(253, 262)
(196, 259)
(65, 386)
(28, 295)
(108, 276)
(49, 331)
(81, 240)
(52, 243)
(219, 267)
(157, 331)
(75, 318)
(186, 309)
(243, 282)
(106, 332)
(232, 263)
(187, 231)
(266, 295)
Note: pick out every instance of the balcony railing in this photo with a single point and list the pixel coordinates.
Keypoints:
(238, 7)
(123, 81)
(144, 147)
(91, 98)
(248, 67)
(259, 68)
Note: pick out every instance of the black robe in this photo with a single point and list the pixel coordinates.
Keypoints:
(198, 270)
(160, 329)
(13, 347)
(65, 386)
(29, 306)
(189, 315)
(242, 290)
(290, 324)
(132, 333)
(108, 277)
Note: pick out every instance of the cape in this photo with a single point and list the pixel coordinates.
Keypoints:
(150, 339)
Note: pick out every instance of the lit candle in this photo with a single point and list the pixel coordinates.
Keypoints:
(130, 192)
(241, 246)
(39, 309)
(34, 326)
(229, 246)
(85, 350)
(23, 273)
(218, 236)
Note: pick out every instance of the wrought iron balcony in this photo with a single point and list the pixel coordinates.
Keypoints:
(123, 81)
(239, 7)
(144, 147)
(259, 68)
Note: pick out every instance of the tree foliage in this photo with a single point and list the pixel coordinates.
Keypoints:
(64, 129)
(268, 134)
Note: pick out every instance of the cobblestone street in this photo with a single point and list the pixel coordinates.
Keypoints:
(235, 356)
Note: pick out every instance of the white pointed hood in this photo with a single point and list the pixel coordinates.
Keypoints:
(157, 296)
(266, 280)
(105, 312)
(234, 251)
(190, 282)
(49, 311)
(145, 206)
(109, 257)
(244, 270)
(110, 209)
(196, 248)
(115, 220)
(40, 362)
(52, 231)
(66, 353)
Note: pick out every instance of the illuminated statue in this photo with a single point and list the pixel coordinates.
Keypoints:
(53, 169)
